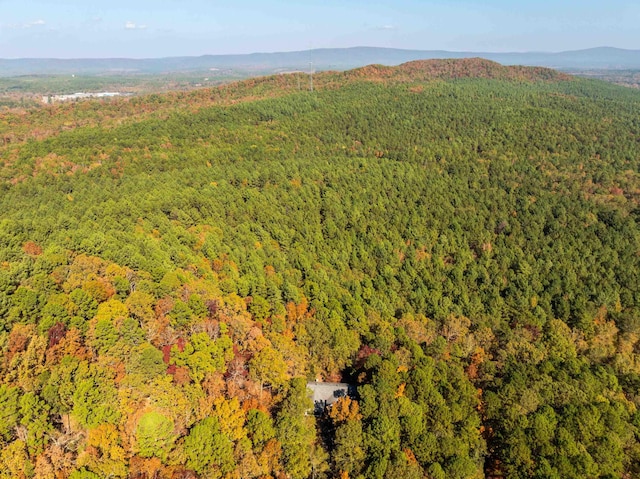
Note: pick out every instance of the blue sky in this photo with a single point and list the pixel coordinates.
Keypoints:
(158, 28)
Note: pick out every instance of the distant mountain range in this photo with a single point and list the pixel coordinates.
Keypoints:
(319, 59)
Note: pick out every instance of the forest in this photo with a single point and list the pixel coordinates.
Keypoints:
(458, 240)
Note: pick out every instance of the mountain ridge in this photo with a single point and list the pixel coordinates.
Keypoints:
(318, 59)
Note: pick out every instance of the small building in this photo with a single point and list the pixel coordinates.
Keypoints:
(325, 394)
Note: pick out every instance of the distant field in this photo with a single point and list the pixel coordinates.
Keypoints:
(28, 90)
(630, 78)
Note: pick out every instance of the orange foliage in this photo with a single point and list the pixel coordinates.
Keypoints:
(18, 340)
(296, 312)
(143, 468)
(411, 457)
(99, 289)
(180, 375)
(214, 385)
(70, 345)
(253, 403)
(163, 306)
(270, 456)
(345, 409)
(32, 249)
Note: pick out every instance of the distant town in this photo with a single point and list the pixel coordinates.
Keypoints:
(79, 96)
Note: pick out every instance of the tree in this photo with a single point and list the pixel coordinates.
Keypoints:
(8, 410)
(295, 430)
(86, 305)
(180, 315)
(140, 304)
(15, 461)
(344, 410)
(259, 308)
(231, 418)
(34, 415)
(103, 453)
(147, 362)
(348, 453)
(260, 428)
(268, 366)
(202, 355)
(207, 446)
(95, 399)
(83, 474)
(103, 335)
(155, 435)
(25, 305)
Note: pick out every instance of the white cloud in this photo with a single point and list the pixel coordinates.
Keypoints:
(17, 26)
(388, 27)
(133, 26)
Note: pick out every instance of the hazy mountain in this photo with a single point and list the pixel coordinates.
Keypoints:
(321, 59)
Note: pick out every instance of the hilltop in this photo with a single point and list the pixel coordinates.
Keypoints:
(20, 125)
(448, 69)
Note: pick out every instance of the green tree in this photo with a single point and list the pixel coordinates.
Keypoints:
(147, 362)
(268, 366)
(155, 435)
(203, 355)
(206, 446)
(95, 399)
(34, 415)
(295, 430)
(8, 410)
(260, 428)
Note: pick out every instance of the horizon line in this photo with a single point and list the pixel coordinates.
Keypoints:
(514, 52)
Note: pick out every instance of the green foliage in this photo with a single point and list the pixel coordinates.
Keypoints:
(104, 335)
(131, 332)
(181, 314)
(34, 415)
(8, 410)
(349, 453)
(295, 430)
(83, 474)
(147, 362)
(95, 399)
(259, 308)
(85, 304)
(260, 428)
(25, 305)
(155, 435)
(202, 355)
(207, 446)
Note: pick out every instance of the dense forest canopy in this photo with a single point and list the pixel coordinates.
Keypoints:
(458, 239)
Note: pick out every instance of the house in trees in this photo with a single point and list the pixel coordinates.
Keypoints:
(325, 394)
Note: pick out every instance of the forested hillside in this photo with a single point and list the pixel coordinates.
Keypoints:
(459, 240)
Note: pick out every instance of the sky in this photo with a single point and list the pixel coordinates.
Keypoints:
(162, 28)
